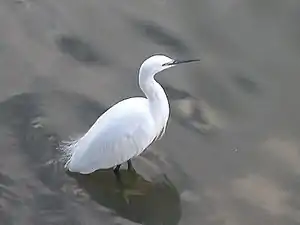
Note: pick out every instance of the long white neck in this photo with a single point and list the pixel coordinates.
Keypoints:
(152, 90)
(156, 95)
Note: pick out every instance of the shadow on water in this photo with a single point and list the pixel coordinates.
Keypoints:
(136, 199)
(34, 190)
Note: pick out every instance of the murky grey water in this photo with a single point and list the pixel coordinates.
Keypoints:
(231, 153)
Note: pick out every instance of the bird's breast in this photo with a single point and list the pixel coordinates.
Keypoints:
(160, 114)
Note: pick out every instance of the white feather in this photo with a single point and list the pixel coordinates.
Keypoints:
(122, 132)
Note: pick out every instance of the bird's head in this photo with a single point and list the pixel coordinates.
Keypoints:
(158, 63)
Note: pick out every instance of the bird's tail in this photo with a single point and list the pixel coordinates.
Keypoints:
(66, 149)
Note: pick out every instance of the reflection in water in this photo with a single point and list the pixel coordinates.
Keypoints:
(135, 198)
(32, 189)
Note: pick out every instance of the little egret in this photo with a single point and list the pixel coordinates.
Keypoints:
(126, 129)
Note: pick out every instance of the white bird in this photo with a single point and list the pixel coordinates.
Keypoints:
(126, 129)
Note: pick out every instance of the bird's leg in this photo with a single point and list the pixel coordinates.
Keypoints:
(130, 167)
(117, 170)
(118, 176)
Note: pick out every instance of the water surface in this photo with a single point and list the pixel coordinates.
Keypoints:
(230, 154)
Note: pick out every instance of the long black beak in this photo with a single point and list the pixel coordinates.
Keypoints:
(176, 62)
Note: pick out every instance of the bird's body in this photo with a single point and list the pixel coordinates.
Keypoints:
(115, 138)
(126, 129)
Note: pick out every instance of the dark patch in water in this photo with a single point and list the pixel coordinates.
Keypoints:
(5, 180)
(175, 94)
(80, 50)
(136, 199)
(89, 116)
(159, 35)
(246, 84)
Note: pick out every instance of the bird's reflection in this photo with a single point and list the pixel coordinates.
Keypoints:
(133, 197)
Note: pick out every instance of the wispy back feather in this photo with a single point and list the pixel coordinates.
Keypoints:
(66, 148)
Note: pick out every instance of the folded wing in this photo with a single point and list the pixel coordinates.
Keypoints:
(120, 134)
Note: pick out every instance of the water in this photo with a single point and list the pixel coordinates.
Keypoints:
(231, 151)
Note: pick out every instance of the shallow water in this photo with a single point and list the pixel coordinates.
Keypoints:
(230, 154)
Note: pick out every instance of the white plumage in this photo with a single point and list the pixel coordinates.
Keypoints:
(126, 129)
